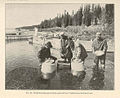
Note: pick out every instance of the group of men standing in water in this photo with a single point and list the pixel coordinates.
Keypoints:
(71, 50)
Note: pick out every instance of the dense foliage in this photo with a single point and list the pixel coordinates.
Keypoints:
(90, 15)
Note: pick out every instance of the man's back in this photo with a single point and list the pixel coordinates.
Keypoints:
(44, 52)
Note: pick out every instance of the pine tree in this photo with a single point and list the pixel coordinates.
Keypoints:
(109, 13)
(87, 15)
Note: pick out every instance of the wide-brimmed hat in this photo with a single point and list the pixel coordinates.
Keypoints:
(48, 44)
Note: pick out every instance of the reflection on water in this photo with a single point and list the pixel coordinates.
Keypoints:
(69, 81)
(22, 72)
(28, 78)
(97, 80)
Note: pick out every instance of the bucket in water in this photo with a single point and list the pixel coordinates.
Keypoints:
(75, 73)
(46, 75)
(77, 67)
(48, 67)
(78, 73)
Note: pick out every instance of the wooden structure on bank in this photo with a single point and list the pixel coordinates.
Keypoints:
(18, 37)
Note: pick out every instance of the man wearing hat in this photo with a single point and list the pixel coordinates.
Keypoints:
(69, 49)
(99, 44)
(64, 39)
(45, 53)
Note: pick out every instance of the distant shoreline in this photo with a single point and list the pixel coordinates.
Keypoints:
(83, 32)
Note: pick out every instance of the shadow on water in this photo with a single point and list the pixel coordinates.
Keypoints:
(68, 81)
(97, 80)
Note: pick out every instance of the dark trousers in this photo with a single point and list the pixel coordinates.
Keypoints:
(100, 59)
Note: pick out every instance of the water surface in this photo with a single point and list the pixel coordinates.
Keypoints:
(22, 71)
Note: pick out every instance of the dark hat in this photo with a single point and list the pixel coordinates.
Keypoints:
(64, 37)
(48, 44)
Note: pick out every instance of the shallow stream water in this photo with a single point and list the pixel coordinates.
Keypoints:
(22, 71)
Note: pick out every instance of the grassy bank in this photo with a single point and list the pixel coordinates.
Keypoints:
(84, 32)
